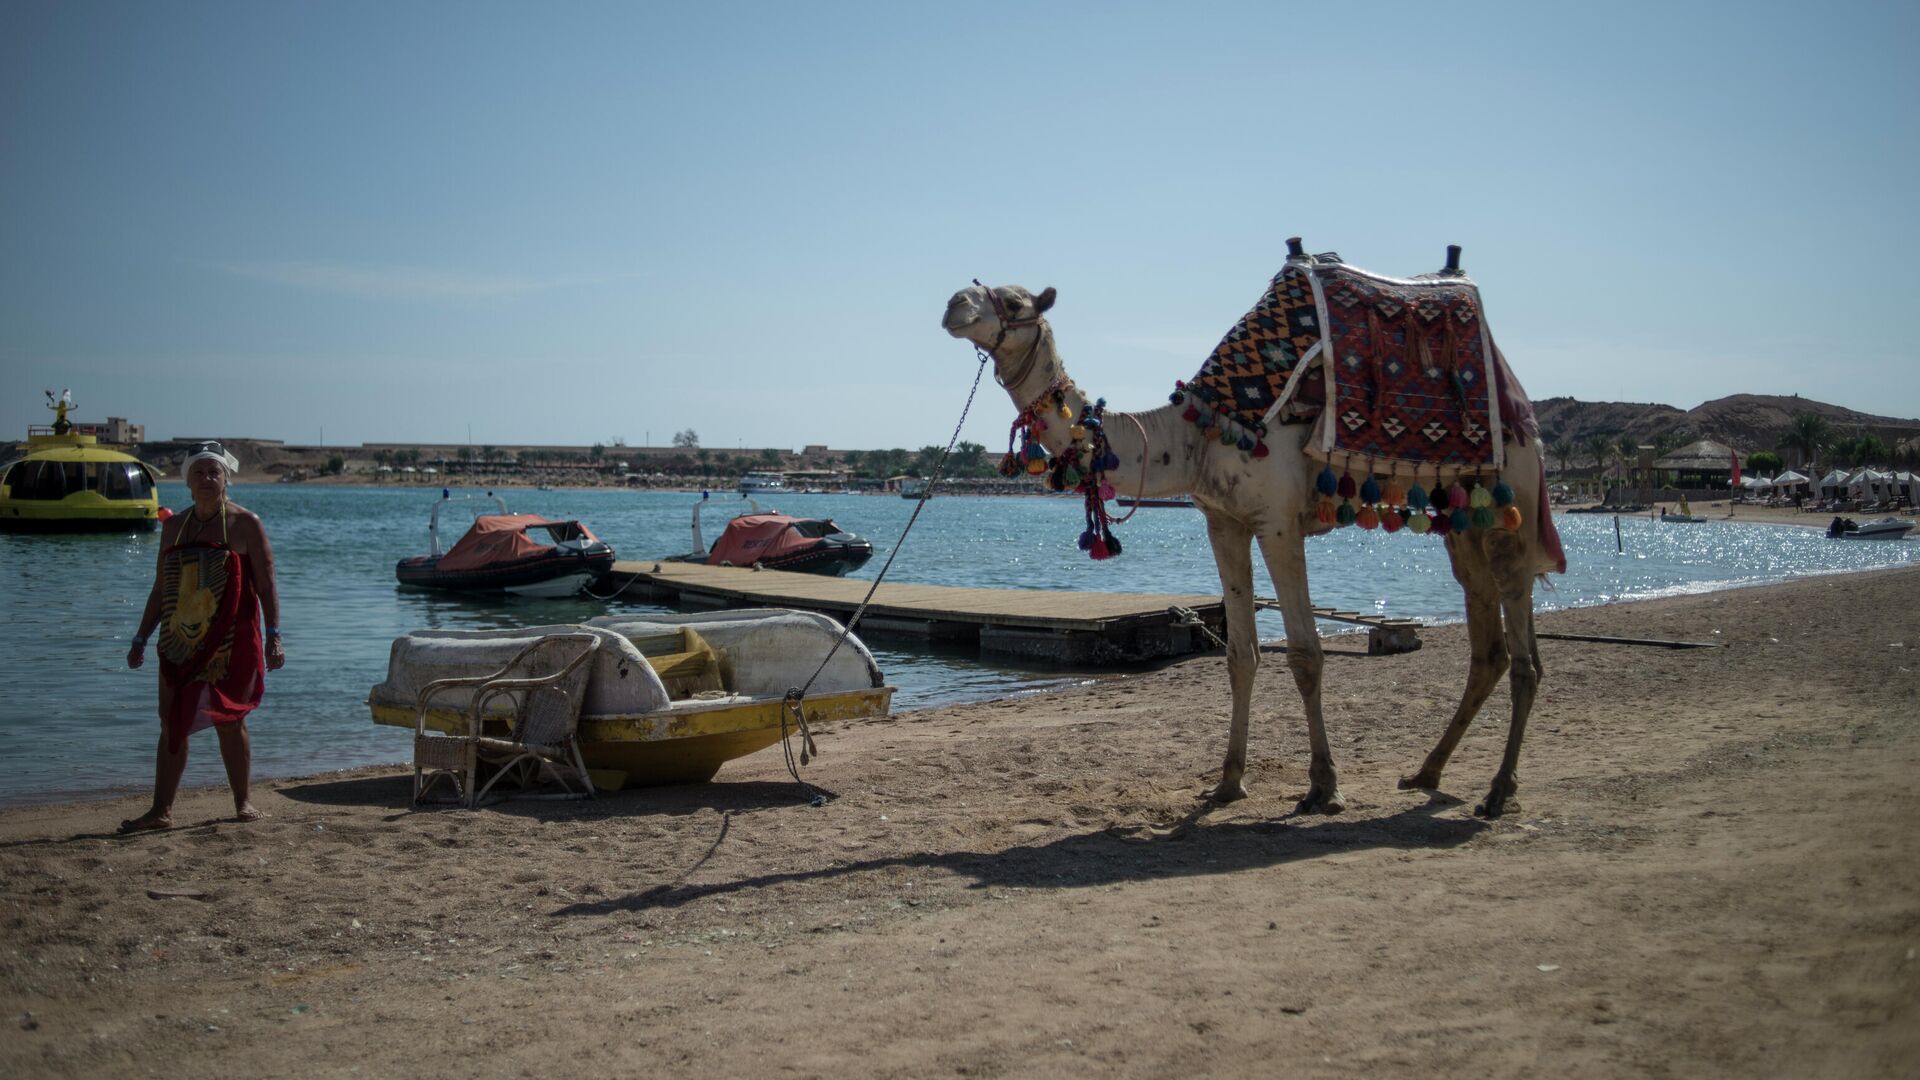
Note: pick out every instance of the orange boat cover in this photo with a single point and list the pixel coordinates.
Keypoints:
(498, 538)
(750, 538)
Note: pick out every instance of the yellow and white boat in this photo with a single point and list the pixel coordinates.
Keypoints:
(670, 698)
(68, 482)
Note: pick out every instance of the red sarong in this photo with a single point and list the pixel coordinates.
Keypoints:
(211, 660)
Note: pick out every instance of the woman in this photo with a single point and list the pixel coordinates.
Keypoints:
(212, 585)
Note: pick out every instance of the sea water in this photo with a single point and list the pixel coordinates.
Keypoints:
(77, 722)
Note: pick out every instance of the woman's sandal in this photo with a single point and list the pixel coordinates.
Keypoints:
(145, 823)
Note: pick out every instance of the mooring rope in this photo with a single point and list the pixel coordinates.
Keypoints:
(795, 702)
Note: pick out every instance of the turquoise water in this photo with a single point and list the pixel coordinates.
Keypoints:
(81, 723)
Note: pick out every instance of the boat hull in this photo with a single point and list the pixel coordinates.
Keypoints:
(18, 519)
(679, 746)
(546, 575)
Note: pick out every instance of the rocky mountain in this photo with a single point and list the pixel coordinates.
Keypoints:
(1746, 422)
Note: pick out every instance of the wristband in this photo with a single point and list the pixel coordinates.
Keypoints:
(139, 643)
(273, 631)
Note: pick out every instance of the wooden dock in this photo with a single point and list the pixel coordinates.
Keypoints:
(1035, 624)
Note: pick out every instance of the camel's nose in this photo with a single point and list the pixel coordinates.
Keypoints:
(961, 312)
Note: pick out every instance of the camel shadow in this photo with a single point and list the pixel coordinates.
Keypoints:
(1189, 848)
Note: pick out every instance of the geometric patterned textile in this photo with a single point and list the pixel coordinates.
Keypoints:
(1400, 372)
(1409, 373)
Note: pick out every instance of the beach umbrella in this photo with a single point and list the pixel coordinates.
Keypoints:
(1788, 479)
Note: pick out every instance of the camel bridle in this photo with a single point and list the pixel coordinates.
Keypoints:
(1007, 325)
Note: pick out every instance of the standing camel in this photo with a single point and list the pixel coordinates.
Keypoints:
(1270, 498)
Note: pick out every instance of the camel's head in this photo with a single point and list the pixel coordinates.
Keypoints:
(988, 317)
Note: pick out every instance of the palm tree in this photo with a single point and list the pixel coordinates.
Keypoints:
(1599, 448)
(1563, 451)
(1808, 434)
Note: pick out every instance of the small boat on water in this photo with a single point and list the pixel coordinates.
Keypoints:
(763, 483)
(775, 541)
(68, 482)
(1684, 516)
(514, 553)
(1886, 528)
(669, 699)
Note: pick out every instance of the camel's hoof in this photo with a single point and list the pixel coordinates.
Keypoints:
(1227, 793)
(1497, 804)
(1325, 800)
(1420, 781)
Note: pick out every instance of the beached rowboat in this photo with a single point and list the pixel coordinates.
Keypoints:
(670, 698)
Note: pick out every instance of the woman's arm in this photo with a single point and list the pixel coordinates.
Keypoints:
(150, 617)
(260, 560)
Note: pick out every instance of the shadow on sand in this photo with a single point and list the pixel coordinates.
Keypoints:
(1191, 847)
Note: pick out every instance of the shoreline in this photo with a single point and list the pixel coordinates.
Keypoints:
(1545, 619)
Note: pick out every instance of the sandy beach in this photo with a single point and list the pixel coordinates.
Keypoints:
(1713, 871)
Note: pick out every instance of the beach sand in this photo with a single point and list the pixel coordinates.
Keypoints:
(1713, 871)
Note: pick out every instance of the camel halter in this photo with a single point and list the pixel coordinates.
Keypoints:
(1008, 323)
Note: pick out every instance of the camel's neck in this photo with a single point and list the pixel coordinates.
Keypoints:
(1150, 445)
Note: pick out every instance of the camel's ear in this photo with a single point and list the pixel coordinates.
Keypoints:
(1044, 301)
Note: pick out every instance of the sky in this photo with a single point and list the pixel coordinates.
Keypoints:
(571, 223)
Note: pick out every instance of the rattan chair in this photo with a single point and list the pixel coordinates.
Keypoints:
(546, 682)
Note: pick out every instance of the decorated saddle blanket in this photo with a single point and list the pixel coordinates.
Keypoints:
(211, 659)
(1399, 374)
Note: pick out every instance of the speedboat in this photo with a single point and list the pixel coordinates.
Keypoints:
(668, 699)
(760, 483)
(770, 540)
(1886, 528)
(515, 553)
(68, 482)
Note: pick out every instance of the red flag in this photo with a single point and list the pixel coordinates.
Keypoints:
(1736, 468)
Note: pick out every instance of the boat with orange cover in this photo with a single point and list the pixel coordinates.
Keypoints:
(512, 553)
(774, 541)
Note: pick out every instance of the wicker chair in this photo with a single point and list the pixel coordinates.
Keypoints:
(546, 682)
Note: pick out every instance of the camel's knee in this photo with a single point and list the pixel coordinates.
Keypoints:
(1496, 661)
(1306, 663)
(1524, 677)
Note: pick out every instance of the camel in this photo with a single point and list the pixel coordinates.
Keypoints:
(1271, 500)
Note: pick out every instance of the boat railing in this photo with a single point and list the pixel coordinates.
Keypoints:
(433, 524)
(699, 543)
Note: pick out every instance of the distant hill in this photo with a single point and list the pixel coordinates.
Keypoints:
(1746, 422)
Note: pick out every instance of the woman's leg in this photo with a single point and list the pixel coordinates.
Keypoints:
(236, 752)
(168, 767)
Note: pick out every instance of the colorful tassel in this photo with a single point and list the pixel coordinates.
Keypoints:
(1459, 520)
(1390, 521)
(1259, 449)
(1324, 513)
(1191, 415)
(1326, 483)
(1419, 522)
(1417, 497)
(1480, 499)
(1502, 494)
(1442, 522)
(1483, 517)
(1036, 466)
(1393, 494)
(1347, 489)
(1457, 496)
(1367, 517)
(1510, 517)
(1345, 514)
(1370, 491)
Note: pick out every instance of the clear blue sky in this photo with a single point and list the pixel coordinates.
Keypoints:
(562, 223)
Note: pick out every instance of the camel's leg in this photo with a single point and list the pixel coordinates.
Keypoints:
(1286, 555)
(1489, 662)
(1516, 602)
(1233, 559)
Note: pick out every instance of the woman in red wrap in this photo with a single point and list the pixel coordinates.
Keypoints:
(212, 585)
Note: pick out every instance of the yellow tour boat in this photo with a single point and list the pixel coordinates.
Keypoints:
(669, 699)
(68, 482)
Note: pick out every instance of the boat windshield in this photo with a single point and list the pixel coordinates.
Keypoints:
(55, 480)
